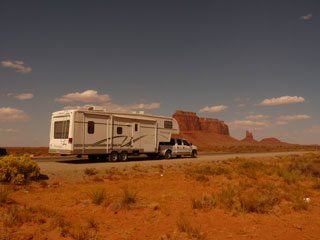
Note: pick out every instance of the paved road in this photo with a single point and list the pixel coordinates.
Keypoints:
(72, 167)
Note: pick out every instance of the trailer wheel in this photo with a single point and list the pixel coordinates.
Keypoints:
(168, 154)
(194, 154)
(92, 157)
(113, 157)
(123, 156)
(152, 155)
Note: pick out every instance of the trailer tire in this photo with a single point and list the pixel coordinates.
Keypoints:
(123, 156)
(152, 155)
(168, 154)
(113, 157)
(92, 157)
(194, 153)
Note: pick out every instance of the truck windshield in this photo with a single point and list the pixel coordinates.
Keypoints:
(61, 129)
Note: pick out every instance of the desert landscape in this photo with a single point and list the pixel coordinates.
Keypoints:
(159, 120)
(239, 198)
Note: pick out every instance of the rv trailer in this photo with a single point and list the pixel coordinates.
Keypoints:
(108, 135)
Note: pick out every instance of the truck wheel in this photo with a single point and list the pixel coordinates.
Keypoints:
(113, 157)
(123, 156)
(194, 154)
(168, 154)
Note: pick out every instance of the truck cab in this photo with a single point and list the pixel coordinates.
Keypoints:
(177, 147)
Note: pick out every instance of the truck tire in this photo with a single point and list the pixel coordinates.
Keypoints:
(168, 154)
(194, 153)
(123, 156)
(113, 157)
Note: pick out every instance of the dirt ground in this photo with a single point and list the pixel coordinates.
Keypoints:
(207, 200)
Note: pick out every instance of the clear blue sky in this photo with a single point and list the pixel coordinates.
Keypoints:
(228, 56)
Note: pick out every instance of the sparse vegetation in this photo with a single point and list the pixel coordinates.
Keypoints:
(18, 171)
(193, 232)
(127, 199)
(90, 171)
(205, 202)
(98, 196)
(14, 216)
(4, 194)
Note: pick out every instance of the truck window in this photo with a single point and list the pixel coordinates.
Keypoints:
(119, 130)
(179, 142)
(172, 142)
(61, 129)
(91, 127)
(185, 143)
(168, 124)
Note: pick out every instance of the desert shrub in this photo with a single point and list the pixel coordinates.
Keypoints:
(259, 202)
(4, 194)
(18, 170)
(193, 232)
(308, 169)
(205, 202)
(290, 177)
(90, 171)
(250, 168)
(227, 197)
(13, 216)
(201, 173)
(98, 195)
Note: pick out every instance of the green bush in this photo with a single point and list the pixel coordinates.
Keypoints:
(18, 171)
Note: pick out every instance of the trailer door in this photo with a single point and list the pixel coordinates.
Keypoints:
(96, 140)
(135, 140)
(148, 138)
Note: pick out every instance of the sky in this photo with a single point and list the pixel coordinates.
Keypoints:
(253, 64)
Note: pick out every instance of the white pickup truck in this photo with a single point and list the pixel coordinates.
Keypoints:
(177, 147)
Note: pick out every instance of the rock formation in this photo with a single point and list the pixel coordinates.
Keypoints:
(249, 138)
(189, 121)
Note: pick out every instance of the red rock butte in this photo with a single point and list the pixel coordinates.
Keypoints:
(209, 132)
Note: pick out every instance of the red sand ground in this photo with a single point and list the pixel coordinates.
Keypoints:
(163, 197)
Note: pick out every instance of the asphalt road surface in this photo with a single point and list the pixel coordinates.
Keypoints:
(72, 167)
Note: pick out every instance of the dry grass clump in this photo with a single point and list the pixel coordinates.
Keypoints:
(18, 171)
(14, 216)
(205, 202)
(127, 200)
(98, 196)
(4, 194)
(193, 232)
(201, 173)
(90, 171)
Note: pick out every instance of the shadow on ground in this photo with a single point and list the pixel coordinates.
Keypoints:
(87, 161)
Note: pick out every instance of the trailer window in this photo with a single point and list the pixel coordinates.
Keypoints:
(168, 124)
(91, 127)
(136, 127)
(61, 129)
(119, 130)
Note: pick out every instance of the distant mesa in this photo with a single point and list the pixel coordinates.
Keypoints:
(210, 132)
(189, 121)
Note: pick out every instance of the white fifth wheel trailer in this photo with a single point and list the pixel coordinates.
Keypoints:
(107, 135)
